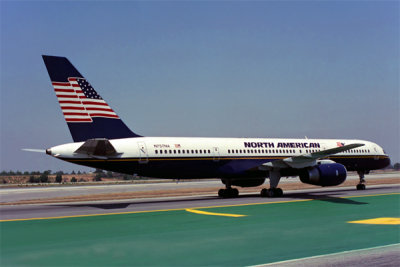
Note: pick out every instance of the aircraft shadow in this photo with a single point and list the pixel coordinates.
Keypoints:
(123, 205)
(332, 196)
(325, 197)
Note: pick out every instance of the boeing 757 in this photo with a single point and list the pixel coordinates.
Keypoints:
(102, 140)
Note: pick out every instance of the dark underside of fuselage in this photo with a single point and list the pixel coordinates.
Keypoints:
(209, 167)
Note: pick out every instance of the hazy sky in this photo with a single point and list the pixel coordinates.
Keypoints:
(321, 69)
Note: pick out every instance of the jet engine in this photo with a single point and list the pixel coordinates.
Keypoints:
(324, 175)
(250, 182)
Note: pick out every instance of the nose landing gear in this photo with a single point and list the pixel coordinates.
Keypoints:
(361, 185)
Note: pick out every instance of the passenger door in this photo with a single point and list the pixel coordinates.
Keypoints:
(143, 155)
(215, 154)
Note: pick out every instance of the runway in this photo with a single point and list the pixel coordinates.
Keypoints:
(10, 195)
(309, 227)
(12, 212)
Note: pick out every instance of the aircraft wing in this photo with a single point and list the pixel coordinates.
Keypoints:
(307, 160)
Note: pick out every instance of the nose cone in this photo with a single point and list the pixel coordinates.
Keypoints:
(48, 151)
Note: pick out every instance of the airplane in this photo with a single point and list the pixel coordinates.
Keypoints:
(102, 140)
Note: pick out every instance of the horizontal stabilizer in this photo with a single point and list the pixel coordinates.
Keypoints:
(98, 148)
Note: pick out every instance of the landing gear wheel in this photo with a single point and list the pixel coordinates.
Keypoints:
(278, 192)
(228, 193)
(272, 192)
(264, 192)
(361, 187)
(235, 192)
(221, 192)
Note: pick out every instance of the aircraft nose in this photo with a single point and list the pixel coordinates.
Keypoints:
(48, 151)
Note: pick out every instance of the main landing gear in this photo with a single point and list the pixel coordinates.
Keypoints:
(228, 192)
(273, 191)
(361, 185)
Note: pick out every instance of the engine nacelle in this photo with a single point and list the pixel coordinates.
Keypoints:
(250, 182)
(324, 175)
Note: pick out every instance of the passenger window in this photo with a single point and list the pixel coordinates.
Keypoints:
(160, 151)
(179, 152)
(200, 151)
(205, 151)
(192, 151)
(174, 151)
(183, 151)
(229, 151)
(197, 151)
(156, 151)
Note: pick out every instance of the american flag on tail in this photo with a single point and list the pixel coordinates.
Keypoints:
(80, 102)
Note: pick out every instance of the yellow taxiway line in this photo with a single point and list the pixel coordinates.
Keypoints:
(379, 221)
(214, 213)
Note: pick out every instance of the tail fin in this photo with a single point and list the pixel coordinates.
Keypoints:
(88, 116)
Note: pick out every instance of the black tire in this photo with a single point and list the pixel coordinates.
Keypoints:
(271, 192)
(278, 192)
(361, 187)
(235, 192)
(264, 192)
(221, 193)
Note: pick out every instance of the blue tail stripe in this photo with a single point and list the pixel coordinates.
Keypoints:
(100, 128)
